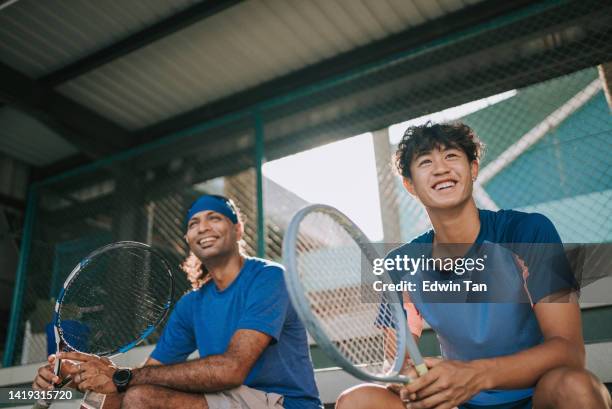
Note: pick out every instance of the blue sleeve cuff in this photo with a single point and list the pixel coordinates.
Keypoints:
(261, 326)
(166, 358)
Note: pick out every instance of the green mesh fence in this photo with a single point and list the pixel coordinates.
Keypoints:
(114, 202)
(548, 150)
(532, 85)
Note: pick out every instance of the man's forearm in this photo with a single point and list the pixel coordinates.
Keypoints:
(211, 374)
(524, 369)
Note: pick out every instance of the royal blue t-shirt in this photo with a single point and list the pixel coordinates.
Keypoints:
(476, 330)
(257, 299)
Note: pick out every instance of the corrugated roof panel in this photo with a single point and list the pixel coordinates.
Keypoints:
(326, 19)
(294, 23)
(369, 26)
(410, 14)
(448, 6)
(453, 5)
(384, 13)
(24, 138)
(227, 53)
(39, 37)
(430, 9)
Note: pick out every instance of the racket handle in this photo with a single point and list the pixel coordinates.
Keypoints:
(44, 404)
(421, 369)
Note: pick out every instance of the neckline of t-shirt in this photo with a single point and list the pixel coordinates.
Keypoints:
(233, 283)
(479, 237)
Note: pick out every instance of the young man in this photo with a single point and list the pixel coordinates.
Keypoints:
(505, 355)
(253, 348)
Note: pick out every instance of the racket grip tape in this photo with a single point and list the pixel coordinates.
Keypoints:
(421, 369)
(44, 404)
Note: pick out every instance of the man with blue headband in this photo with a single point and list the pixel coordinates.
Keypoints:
(253, 348)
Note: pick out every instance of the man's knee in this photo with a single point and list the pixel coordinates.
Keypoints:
(572, 381)
(564, 386)
(352, 397)
(368, 396)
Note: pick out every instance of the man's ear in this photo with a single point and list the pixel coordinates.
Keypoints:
(185, 237)
(474, 168)
(239, 231)
(408, 185)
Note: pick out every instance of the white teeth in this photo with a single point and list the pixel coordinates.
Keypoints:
(444, 185)
(206, 240)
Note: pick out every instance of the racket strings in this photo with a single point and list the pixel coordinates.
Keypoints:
(337, 285)
(115, 298)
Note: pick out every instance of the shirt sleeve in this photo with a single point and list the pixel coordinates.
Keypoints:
(267, 302)
(541, 258)
(178, 338)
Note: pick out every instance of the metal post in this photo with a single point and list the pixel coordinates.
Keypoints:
(259, 161)
(20, 279)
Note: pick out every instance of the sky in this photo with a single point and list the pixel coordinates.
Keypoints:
(343, 174)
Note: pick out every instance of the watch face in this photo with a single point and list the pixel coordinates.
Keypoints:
(122, 376)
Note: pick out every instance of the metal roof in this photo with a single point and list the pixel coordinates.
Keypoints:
(233, 49)
(237, 49)
(107, 76)
(39, 37)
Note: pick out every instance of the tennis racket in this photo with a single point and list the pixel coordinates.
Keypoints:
(111, 301)
(329, 278)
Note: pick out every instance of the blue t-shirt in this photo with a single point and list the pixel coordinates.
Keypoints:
(476, 330)
(257, 299)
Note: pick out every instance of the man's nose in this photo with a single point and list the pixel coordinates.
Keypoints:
(203, 226)
(440, 167)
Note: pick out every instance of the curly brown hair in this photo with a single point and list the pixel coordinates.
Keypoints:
(421, 139)
(192, 266)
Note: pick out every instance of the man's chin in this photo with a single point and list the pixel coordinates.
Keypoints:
(206, 254)
(450, 204)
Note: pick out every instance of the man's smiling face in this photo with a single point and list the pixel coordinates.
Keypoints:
(211, 234)
(442, 178)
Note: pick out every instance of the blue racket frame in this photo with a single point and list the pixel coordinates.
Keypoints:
(74, 274)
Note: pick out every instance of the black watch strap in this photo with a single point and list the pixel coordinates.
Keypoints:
(122, 378)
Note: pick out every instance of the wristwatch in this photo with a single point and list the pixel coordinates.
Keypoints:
(121, 378)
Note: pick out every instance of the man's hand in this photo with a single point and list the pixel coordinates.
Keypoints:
(408, 371)
(446, 385)
(46, 378)
(93, 373)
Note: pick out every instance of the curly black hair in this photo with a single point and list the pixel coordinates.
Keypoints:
(421, 139)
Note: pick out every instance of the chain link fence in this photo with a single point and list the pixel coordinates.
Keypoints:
(533, 86)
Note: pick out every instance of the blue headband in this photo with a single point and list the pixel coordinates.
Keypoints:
(216, 204)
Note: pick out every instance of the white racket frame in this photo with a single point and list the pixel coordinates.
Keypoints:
(405, 341)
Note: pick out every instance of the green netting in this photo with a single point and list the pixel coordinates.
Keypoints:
(515, 116)
(566, 174)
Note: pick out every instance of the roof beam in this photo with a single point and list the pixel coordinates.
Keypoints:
(138, 40)
(88, 131)
(454, 22)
